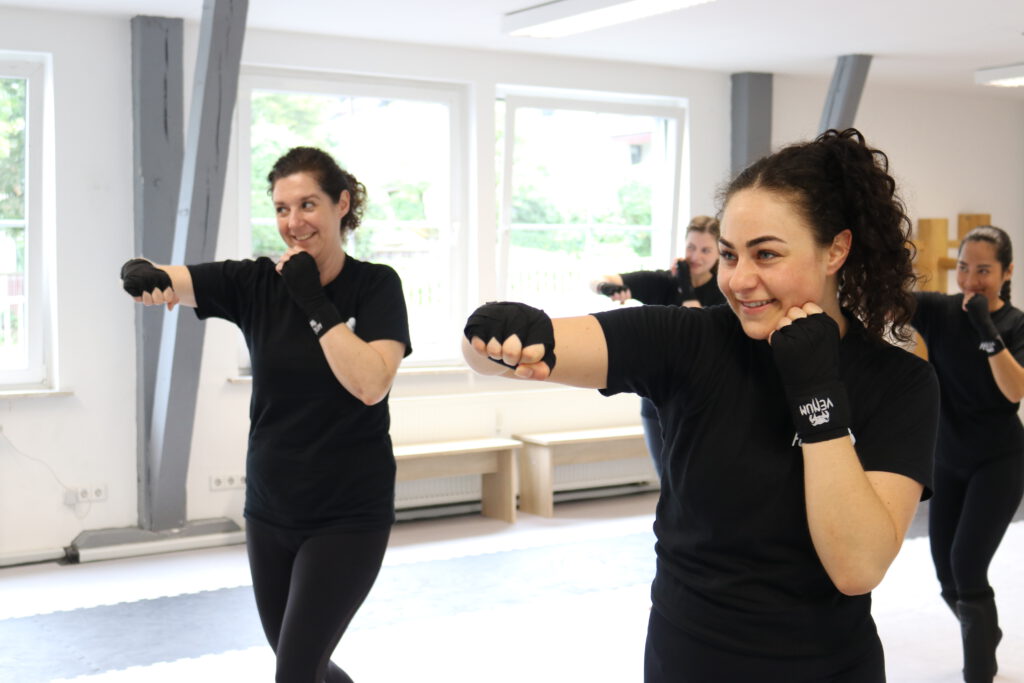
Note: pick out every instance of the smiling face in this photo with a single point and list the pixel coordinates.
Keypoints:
(701, 254)
(306, 217)
(771, 262)
(979, 271)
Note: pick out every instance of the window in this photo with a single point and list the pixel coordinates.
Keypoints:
(589, 188)
(23, 353)
(402, 141)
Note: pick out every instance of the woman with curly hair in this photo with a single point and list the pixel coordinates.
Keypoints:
(976, 343)
(326, 333)
(798, 441)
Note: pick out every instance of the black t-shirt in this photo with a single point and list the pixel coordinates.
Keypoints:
(659, 288)
(318, 457)
(736, 565)
(978, 422)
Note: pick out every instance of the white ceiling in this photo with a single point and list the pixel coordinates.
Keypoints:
(932, 43)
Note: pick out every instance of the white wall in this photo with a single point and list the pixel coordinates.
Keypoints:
(950, 154)
(89, 436)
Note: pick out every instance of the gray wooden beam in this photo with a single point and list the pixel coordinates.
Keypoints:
(195, 240)
(159, 131)
(751, 118)
(183, 189)
(844, 92)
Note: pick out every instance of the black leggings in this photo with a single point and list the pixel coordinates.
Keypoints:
(967, 518)
(308, 587)
(674, 656)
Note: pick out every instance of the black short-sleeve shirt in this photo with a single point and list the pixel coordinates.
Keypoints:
(736, 565)
(659, 288)
(318, 457)
(978, 422)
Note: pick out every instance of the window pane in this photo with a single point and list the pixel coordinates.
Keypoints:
(400, 150)
(584, 202)
(13, 309)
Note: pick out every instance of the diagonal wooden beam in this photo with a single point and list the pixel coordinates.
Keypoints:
(195, 240)
(844, 92)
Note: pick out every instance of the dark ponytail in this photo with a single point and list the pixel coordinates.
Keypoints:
(837, 183)
(998, 238)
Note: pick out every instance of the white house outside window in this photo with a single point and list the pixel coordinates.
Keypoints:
(589, 188)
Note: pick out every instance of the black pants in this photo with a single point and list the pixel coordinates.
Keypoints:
(308, 587)
(674, 656)
(652, 431)
(967, 518)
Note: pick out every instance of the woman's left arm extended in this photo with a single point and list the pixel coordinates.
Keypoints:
(857, 519)
(365, 369)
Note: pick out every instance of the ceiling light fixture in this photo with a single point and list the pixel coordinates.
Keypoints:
(1011, 76)
(566, 17)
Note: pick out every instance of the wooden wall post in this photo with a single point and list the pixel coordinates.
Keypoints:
(965, 222)
(933, 261)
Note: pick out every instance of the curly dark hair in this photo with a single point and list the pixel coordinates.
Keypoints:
(837, 183)
(333, 180)
(998, 238)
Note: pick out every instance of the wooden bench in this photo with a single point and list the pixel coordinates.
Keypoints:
(494, 459)
(542, 452)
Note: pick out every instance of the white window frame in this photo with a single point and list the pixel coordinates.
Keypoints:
(37, 310)
(453, 96)
(664, 242)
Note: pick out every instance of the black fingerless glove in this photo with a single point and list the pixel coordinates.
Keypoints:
(610, 288)
(683, 282)
(502, 319)
(807, 356)
(981, 320)
(139, 275)
(302, 278)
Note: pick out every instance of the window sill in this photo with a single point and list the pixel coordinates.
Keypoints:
(422, 371)
(28, 392)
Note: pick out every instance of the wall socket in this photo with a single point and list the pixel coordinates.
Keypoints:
(224, 482)
(93, 493)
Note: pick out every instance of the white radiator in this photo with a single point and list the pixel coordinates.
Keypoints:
(466, 489)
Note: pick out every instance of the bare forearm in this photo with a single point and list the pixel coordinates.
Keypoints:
(358, 366)
(1008, 374)
(853, 532)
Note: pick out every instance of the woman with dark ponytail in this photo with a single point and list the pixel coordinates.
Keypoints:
(976, 343)
(798, 442)
(691, 281)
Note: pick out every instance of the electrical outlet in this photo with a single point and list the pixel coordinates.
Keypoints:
(224, 482)
(92, 493)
